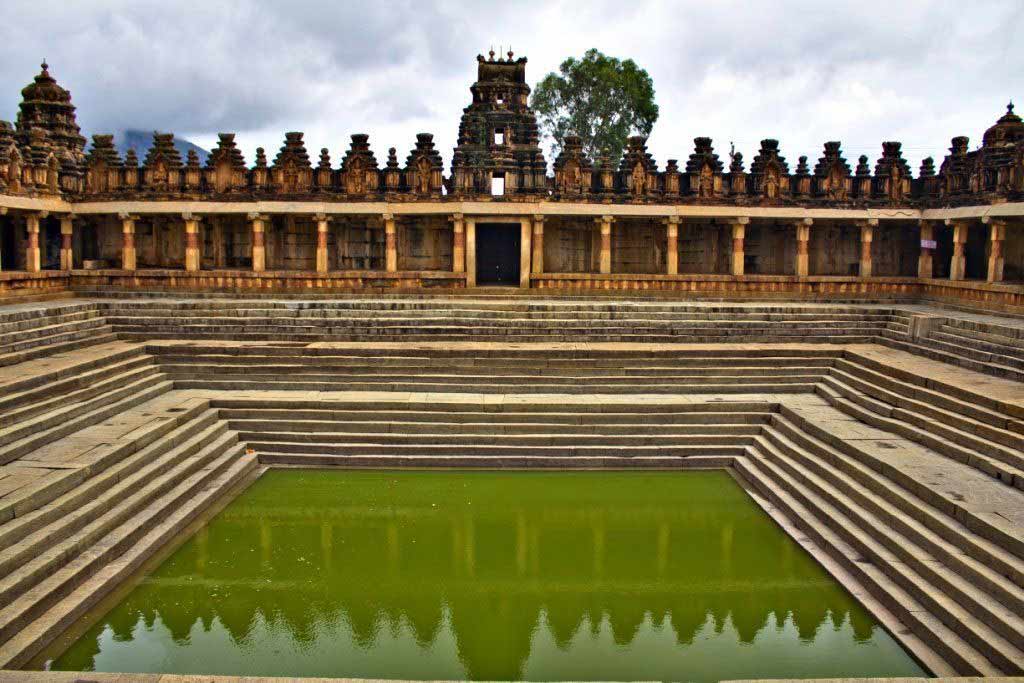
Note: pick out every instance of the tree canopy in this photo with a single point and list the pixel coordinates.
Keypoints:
(601, 99)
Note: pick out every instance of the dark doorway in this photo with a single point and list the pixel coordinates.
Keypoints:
(497, 254)
(8, 249)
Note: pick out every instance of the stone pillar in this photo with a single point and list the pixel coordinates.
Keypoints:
(925, 268)
(803, 238)
(322, 223)
(996, 235)
(259, 244)
(471, 252)
(538, 245)
(128, 241)
(458, 243)
(32, 258)
(739, 229)
(3, 212)
(391, 243)
(67, 258)
(606, 244)
(867, 235)
(525, 251)
(192, 258)
(672, 245)
(959, 262)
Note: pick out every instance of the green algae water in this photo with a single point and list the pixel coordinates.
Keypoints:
(488, 576)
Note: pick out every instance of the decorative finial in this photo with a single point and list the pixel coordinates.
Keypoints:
(44, 65)
(491, 53)
(510, 53)
(1009, 107)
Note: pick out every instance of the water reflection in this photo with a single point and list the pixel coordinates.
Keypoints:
(491, 576)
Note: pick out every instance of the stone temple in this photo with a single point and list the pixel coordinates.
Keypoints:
(846, 339)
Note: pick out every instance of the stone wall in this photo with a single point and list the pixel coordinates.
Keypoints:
(638, 246)
(572, 245)
(424, 243)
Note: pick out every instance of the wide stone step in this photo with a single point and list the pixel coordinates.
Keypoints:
(979, 350)
(9, 340)
(259, 426)
(533, 407)
(59, 318)
(48, 346)
(193, 429)
(744, 386)
(149, 505)
(931, 579)
(696, 437)
(121, 553)
(578, 462)
(734, 446)
(955, 355)
(960, 656)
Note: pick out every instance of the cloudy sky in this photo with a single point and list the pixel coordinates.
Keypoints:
(804, 72)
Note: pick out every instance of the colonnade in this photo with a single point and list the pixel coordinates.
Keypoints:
(532, 236)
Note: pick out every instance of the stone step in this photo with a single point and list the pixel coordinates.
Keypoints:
(951, 504)
(743, 386)
(69, 388)
(43, 552)
(997, 333)
(1006, 340)
(930, 578)
(149, 505)
(573, 462)
(730, 446)
(125, 550)
(59, 318)
(817, 455)
(52, 406)
(50, 347)
(61, 502)
(958, 653)
(358, 441)
(971, 349)
(13, 340)
(31, 315)
(249, 418)
(48, 427)
(954, 356)
(629, 409)
(256, 427)
(39, 374)
(990, 458)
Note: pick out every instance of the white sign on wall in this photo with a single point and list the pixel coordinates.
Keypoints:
(928, 244)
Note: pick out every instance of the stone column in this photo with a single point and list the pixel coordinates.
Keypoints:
(259, 245)
(458, 243)
(996, 235)
(322, 223)
(128, 241)
(925, 268)
(67, 258)
(525, 251)
(867, 235)
(471, 252)
(32, 258)
(3, 212)
(192, 258)
(672, 245)
(606, 244)
(538, 245)
(958, 264)
(739, 229)
(390, 243)
(803, 238)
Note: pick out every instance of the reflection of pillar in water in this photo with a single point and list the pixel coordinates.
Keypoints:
(326, 543)
(727, 532)
(534, 553)
(521, 543)
(392, 541)
(663, 539)
(202, 549)
(599, 532)
(265, 542)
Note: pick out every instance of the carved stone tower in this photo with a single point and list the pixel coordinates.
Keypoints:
(498, 136)
(46, 105)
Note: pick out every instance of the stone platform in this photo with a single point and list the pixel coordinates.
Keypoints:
(888, 440)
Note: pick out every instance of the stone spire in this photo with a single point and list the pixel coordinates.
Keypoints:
(46, 105)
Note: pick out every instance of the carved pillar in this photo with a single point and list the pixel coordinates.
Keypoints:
(259, 245)
(739, 229)
(867, 235)
(959, 262)
(606, 244)
(191, 242)
(391, 243)
(538, 244)
(67, 259)
(32, 257)
(925, 267)
(458, 243)
(471, 252)
(525, 252)
(803, 238)
(322, 223)
(672, 246)
(128, 241)
(996, 235)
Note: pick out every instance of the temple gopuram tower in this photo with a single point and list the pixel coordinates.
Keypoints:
(498, 150)
(46, 105)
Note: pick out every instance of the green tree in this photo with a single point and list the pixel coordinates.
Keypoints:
(601, 99)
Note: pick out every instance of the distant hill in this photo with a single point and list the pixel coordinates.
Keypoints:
(142, 140)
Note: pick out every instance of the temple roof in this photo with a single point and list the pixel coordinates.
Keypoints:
(1008, 129)
(44, 88)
